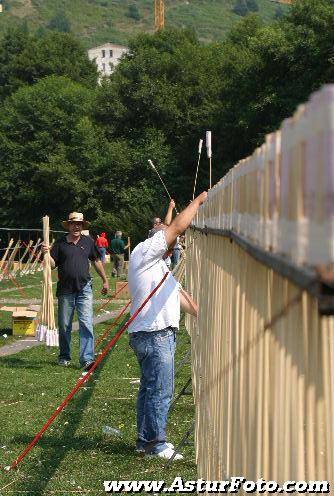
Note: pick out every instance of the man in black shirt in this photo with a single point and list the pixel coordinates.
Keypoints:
(71, 255)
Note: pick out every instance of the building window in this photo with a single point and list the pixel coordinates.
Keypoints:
(103, 53)
(111, 53)
(104, 67)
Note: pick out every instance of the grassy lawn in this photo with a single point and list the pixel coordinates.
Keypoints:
(74, 456)
(31, 285)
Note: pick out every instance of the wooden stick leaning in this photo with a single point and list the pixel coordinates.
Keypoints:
(29, 263)
(9, 264)
(46, 330)
(3, 260)
(19, 266)
(37, 262)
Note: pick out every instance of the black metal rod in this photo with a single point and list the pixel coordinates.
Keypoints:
(22, 229)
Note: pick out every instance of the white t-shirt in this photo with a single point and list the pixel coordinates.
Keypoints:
(146, 269)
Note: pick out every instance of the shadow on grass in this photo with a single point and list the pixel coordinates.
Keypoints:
(19, 363)
(6, 330)
(54, 451)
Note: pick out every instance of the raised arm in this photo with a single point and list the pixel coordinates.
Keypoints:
(169, 214)
(183, 220)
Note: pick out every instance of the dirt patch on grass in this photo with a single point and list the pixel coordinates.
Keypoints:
(22, 8)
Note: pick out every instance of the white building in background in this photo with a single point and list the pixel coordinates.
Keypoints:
(106, 56)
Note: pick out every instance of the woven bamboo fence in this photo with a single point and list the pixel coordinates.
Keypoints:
(262, 346)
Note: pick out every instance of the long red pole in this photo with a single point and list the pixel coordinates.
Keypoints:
(85, 377)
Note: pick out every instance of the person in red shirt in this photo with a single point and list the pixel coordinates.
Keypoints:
(102, 245)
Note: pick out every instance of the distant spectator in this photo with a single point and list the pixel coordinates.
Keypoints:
(117, 249)
(156, 222)
(102, 245)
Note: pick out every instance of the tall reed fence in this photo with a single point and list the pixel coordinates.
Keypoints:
(263, 344)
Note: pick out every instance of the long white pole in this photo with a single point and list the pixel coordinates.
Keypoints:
(200, 144)
(154, 168)
(209, 154)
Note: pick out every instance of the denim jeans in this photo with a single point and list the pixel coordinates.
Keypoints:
(175, 257)
(155, 355)
(102, 252)
(82, 301)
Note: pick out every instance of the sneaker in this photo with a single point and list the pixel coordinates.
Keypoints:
(142, 450)
(88, 365)
(166, 454)
(63, 362)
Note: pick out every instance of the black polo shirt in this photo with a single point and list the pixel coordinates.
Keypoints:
(72, 261)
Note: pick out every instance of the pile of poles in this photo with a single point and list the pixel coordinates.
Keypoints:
(32, 253)
(46, 329)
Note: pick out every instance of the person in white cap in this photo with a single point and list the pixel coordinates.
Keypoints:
(152, 332)
(71, 254)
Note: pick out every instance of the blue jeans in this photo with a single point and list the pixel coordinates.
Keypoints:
(175, 256)
(155, 355)
(83, 302)
(102, 252)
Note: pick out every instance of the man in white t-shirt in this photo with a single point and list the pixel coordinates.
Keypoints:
(152, 333)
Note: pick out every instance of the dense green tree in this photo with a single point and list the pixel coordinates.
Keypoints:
(267, 70)
(25, 58)
(169, 82)
(133, 12)
(60, 22)
(55, 160)
(66, 144)
(252, 5)
(278, 13)
(240, 8)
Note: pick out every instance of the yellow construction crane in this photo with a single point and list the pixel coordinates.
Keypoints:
(159, 14)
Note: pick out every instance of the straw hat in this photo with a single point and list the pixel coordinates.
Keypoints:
(75, 217)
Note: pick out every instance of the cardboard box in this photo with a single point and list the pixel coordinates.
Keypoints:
(24, 323)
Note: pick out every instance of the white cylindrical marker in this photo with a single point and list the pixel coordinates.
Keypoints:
(208, 144)
(200, 144)
(151, 164)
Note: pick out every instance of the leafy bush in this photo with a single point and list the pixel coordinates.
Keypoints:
(60, 23)
(252, 5)
(240, 8)
(133, 12)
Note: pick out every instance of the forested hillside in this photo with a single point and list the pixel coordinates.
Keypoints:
(68, 144)
(99, 21)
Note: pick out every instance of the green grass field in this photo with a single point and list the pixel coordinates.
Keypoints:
(99, 21)
(31, 289)
(74, 456)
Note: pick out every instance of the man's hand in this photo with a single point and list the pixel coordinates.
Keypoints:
(45, 248)
(169, 214)
(325, 273)
(202, 197)
(105, 288)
